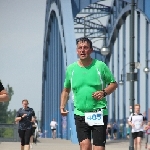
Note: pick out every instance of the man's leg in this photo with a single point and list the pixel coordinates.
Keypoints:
(83, 133)
(99, 135)
(114, 135)
(109, 136)
(139, 143)
(135, 144)
(54, 134)
(86, 145)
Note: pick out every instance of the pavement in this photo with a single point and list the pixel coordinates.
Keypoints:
(60, 144)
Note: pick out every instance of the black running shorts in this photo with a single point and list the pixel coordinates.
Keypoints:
(84, 131)
(137, 134)
(25, 136)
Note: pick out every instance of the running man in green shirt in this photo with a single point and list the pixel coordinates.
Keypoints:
(90, 80)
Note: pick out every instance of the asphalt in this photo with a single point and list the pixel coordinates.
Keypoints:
(60, 144)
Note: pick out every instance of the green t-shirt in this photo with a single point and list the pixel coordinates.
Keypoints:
(84, 81)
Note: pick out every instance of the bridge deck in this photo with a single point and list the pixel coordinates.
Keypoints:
(59, 144)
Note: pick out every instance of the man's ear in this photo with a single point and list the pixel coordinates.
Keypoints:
(91, 50)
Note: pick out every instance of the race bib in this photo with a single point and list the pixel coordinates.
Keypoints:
(94, 118)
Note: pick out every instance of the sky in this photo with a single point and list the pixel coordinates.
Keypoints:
(21, 50)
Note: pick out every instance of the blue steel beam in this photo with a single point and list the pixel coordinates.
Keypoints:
(115, 18)
(88, 23)
(96, 8)
(78, 5)
(56, 21)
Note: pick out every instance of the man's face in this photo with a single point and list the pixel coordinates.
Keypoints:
(137, 109)
(83, 50)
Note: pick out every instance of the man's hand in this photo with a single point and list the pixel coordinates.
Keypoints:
(98, 95)
(63, 112)
(4, 96)
(132, 125)
(3, 92)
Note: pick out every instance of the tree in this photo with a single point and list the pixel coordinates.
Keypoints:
(4, 106)
(7, 116)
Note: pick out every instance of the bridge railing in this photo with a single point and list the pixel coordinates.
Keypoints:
(9, 132)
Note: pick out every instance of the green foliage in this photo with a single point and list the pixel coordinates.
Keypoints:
(5, 115)
(6, 132)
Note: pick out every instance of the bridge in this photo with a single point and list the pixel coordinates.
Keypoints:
(58, 144)
(107, 24)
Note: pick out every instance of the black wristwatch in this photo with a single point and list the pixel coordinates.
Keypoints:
(104, 92)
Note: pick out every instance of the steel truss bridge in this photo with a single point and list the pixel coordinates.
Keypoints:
(103, 21)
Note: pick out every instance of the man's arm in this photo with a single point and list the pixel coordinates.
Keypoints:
(64, 99)
(109, 89)
(130, 121)
(4, 96)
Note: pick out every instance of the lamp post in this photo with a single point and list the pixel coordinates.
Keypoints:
(131, 75)
(146, 69)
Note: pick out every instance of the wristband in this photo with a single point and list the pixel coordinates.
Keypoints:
(104, 93)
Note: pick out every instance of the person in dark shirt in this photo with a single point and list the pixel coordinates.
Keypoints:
(115, 129)
(24, 116)
(3, 94)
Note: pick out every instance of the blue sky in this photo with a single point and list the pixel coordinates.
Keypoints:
(21, 49)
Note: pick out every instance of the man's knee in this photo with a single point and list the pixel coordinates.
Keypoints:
(85, 144)
(139, 143)
(135, 141)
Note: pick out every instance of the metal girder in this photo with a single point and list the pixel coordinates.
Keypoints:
(88, 24)
(81, 20)
(96, 48)
(92, 33)
(96, 9)
(95, 16)
(89, 30)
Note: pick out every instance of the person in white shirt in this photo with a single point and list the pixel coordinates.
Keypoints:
(53, 125)
(136, 121)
